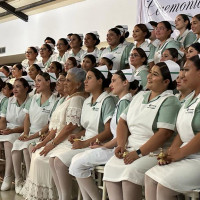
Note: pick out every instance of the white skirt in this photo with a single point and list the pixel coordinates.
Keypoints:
(181, 176)
(9, 138)
(20, 145)
(115, 170)
(83, 163)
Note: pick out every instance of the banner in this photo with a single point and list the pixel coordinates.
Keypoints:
(160, 10)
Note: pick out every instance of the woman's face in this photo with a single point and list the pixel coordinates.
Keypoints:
(191, 52)
(41, 84)
(68, 65)
(89, 41)
(103, 61)
(91, 82)
(180, 23)
(135, 59)
(70, 85)
(60, 84)
(44, 52)
(87, 64)
(191, 75)
(195, 25)
(30, 54)
(162, 33)
(138, 34)
(117, 85)
(32, 72)
(16, 73)
(53, 69)
(6, 91)
(181, 86)
(166, 56)
(113, 39)
(19, 90)
(75, 42)
(61, 46)
(155, 80)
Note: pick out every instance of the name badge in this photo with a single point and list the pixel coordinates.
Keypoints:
(44, 110)
(95, 109)
(151, 106)
(189, 110)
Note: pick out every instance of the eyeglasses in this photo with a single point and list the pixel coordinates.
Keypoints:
(134, 55)
(28, 52)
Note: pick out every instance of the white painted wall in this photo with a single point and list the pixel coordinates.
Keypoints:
(82, 17)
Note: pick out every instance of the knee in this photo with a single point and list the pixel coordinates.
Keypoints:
(58, 163)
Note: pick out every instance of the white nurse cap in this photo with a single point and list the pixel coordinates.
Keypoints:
(53, 78)
(121, 30)
(149, 27)
(129, 74)
(174, 69)
(125, 27)
(138, 78)
(110, 56)
(104, 70)
(172, 25)
(95, 33)
(29, 80)
(3, 76)
(52, 46)
(190, 16)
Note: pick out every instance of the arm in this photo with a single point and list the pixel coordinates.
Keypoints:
(3, 123)
(8, 131)
(26, 127)
(44, 131)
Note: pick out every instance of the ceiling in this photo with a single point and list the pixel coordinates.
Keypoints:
(11, 9)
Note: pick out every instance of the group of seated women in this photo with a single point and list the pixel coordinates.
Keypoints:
(68, 112)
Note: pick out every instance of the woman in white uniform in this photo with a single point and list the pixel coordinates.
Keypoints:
(193, 50)
(185, 37)
(65, 120)
(169, 54)
(138, 59)
(83, 164)
(181, 86)
(91, 40)
(96, 114)
(70, 63)
(2, 96)
(89, 62)
(11, 125)
(183, 157)
(37, 110)
(150, 120)
(55, 67)
(163, 34)
(140, 34)
(17, 72)
(45, 53)
(62, 47)
(31, 58)
(115, 40)
(76, 43)
(195, 26)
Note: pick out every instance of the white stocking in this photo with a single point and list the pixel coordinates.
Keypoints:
(114, 190)
(131, 191)
(150, 188)
(55, 178)
(17, 160)
(65, 179)
(27, 160)
(9, 164)
(89, 188)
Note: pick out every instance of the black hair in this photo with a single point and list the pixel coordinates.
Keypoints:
(6, 68)
(126, 34)
(58, 66)
(166, 75)
(186, 18)
(37, 67)
(46, 76)
(10, 87)
(196, 61)
(49, 48)
(19, 66)
(64, 40)
(74, 61)
(117, 32)
(153, 23)
(142, 54)
(91, 57)
(79, 38)
(167, 25)
(25, 84)
(196, 46)
(197, 16)
(34, 49)
(2, 84)
(99, 75)
(51, 39)
(173, 52)
(144, 29)
(94, 37)
(110, 62)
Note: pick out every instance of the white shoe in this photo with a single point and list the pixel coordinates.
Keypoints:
(7, 183)
(18, 185)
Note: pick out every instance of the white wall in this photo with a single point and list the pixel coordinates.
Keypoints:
(89, 15)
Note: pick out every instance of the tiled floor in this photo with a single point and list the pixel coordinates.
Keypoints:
(10, 195)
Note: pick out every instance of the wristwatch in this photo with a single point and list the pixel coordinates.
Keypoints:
(139, 153)
(53, 143)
